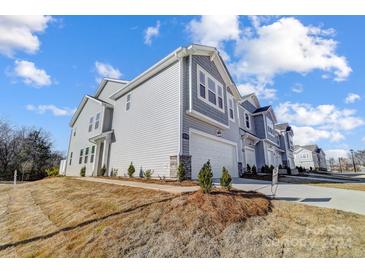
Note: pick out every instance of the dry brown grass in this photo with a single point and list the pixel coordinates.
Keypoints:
(145, 223)
(154, 181)
(349, 186)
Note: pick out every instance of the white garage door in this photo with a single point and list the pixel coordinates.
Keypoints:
(250, 157)
(203, 148)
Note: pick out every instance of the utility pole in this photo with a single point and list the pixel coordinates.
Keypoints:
(353, 161)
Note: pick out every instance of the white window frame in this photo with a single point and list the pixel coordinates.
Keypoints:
(97, 120)
(81, 156)
(91, 124)
(92, 154)
(86, 155)
(230, 100)
(269, 121)
(216, 82)
(128, 102)
(245, 120)
(70, 162)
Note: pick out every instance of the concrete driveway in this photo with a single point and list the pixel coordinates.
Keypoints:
(342, 199)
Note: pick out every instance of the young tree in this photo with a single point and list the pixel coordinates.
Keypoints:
(226, 179)
(181, 172)
(131, 170)
(205, 177)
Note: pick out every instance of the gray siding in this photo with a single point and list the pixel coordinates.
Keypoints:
(259, 126)
(232, 133)
(243, 122)
(200, 105)
(260, 155)
(247, 105)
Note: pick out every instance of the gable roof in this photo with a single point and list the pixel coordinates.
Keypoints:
(104, 82)
(262, 109)
(193, 49)
(83, 103)
(252, 96)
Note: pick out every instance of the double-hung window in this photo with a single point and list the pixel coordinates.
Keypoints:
(210, 90)
(128, 102)
(81, 154)
(231, 108)
(202, 88)
(91, 121)
(247, 120)
(212, 94)
(97, 120)
(92, 154)
(86, 155)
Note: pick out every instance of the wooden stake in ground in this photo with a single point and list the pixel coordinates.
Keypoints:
(15, 174)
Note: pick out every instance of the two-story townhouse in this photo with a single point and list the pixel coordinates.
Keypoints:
(287, 144)
(186, 108)
(310, 156)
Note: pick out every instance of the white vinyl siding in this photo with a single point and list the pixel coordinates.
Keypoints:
(148, 134)
(210, 90)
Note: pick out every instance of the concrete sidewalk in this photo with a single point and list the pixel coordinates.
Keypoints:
(166, 188)
(342, 199)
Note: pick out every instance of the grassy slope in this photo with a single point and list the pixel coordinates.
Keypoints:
(144, 225)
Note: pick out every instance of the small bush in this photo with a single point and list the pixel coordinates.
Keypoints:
(53, 171)
(205, 177)
(103, 171)
(131, 170)
(113, 172)
(181, 172)
(83, 171)
(280, 166)
(248, 168)
(271, 169)
(253, 170)
(288, 170)
(262, 169)
(147, 173)
(226, 179)
(300, 169)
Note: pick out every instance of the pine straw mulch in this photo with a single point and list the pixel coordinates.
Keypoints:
(153, 181)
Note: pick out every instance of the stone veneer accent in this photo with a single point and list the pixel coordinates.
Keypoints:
(173, 166)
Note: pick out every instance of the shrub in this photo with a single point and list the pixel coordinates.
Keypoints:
(181, 172)
(113, 172)
(262, 169)
(205, 177)
(131, 170)
(248, 168)
(253, 170)
(280, 166)
(103, 171)
(300, 169)
(271, 168)
(83, 171)
(288, 170)
(226, 179)
(147, 173)
(53, 171)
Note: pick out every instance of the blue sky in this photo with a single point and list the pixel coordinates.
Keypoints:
(305, 66)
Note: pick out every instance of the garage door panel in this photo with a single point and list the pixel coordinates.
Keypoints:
(220, 154)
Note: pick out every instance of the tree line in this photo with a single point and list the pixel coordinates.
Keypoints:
(28, 150)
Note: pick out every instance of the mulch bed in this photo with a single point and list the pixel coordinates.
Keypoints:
(154, 181)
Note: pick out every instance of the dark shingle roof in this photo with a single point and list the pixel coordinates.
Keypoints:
(261, 109)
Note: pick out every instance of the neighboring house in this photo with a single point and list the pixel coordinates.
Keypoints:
(310, 156)
(186, 108)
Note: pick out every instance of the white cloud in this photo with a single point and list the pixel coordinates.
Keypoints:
(289, 46)
(151, 32)
(30, 74)
(213, 30)
(352, 97)
(309, 135)
(19, 33)
(260, 90)
(56, 111)
(336, 153)
(297, 88)
(325, 116)
(311, 124)
(106, 70)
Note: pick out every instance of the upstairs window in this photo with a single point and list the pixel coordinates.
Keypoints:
(91, 121)
(231, 109)
(212, 96)
(92, 154)
(247, 120)
(128, 102)
(270, 126)
(97, 120)
(210, 90)
(81, 154)
(86, 155)
(202, 84)
(70, 159)
(220, 97)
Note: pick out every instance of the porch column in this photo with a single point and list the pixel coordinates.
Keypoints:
(97, 159)
(105, 160)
